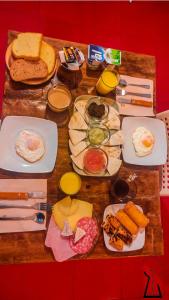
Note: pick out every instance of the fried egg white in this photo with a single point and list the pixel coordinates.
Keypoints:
(143, 141)
(30, 145)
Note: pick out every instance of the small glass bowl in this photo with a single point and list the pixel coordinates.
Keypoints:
(98, 100)
(102, 172)
(104, 128)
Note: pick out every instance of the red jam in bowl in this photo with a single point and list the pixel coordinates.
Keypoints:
(95, 161)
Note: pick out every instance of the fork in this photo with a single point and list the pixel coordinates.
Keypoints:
(122, 92)
(36, 206)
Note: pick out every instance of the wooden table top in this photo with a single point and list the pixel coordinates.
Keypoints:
(20, 99)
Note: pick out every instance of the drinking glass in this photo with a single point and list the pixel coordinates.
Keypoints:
(123, 189)
(107, 82)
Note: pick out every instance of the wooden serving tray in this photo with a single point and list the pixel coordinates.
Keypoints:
(108, 101)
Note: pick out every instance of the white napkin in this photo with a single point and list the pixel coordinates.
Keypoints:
(21, 185)
(135, 110)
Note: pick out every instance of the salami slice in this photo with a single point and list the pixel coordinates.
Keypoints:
(84, 245)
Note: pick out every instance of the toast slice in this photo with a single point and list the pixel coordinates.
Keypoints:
(27, 45)
(48, 55)
(22, 69)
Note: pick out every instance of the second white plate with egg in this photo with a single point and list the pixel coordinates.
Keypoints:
(11, 127)
(158, 156)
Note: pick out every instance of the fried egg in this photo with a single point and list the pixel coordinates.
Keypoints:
(30, 145)
(143, 141)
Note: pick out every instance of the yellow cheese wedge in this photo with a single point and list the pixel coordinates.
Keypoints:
(71, 213)
(67, 207)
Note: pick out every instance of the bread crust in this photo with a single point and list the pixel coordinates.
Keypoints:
(22, 69)
(48, 55)
(27, 45)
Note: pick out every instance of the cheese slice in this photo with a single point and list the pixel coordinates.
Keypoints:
(112, 151)
(79, 208)
(66, 207)
(79, 234)
(79, 160)
(77, 136)
(67, 231)
(113, 123)
(77, 122)
(112, 112)
(76, 149)
(116, 139)
(81, 107)
(113, 165)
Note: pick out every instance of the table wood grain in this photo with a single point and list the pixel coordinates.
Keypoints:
(21, 99)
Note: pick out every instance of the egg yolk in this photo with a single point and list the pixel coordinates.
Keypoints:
(147, 141)
(33, 144)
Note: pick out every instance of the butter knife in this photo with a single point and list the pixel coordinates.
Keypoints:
(138, 102)
(22, 195)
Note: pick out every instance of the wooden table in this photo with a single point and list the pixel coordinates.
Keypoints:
(20, 99)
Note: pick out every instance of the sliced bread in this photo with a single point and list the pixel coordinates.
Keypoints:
(22, 69)
(27, 45)
(48, 55)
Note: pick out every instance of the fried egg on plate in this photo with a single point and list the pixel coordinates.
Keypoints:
(143, 141)
(30, 145)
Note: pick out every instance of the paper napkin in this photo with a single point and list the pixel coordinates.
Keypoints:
(135, 110)
(21, 185)
(59, 245)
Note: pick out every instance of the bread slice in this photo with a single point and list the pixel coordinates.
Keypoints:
(27, 45)
(22, 69)
(48, 55)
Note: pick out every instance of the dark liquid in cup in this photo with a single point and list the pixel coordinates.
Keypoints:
(121, 188)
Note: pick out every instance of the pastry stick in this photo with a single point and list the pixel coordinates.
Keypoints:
(126, 222)
(116, 242)
(136, 215)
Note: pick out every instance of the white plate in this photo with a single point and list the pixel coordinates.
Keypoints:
(157, 128)
(138, 241)
(9, 160)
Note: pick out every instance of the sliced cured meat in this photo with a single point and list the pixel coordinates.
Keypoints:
(85, 244)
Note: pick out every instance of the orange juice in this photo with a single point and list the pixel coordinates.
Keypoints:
(107, 82)
(70, 183)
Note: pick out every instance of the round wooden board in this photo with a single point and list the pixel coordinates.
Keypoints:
(9, 59)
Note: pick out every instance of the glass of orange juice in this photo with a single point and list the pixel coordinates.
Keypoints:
(70, 183)
(107, 82)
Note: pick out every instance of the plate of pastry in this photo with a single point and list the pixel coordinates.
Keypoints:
(124, 227)
(28, 144)
(95, 137)
(30, 59)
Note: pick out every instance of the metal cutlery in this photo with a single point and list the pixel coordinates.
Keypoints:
(22, 195)
(122, 92)
(123, 83)
(38, 218)
(36, 206)
(138, 102)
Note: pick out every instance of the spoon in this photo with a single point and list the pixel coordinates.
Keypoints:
(38, 218)
(123, 83)
(122, 92)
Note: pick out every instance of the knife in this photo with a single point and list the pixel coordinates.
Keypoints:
(22, 195)
(139, 102)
